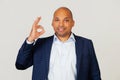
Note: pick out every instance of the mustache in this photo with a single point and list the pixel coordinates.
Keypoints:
(61, 26)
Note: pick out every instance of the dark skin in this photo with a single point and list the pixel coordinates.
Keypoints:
(62, 23)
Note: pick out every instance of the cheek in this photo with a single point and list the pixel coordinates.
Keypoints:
(69, 25)
(54, 27)
(54, 24)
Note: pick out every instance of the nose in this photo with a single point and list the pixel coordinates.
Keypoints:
(61, 23)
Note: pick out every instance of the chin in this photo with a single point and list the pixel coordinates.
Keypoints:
(61, 35)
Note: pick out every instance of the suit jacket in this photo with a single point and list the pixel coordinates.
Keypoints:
(38, 55)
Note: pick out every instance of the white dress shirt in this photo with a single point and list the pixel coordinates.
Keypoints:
(62, 60)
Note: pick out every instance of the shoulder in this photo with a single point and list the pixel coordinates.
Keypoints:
(44, 40)
(82, 38)
(86, 42)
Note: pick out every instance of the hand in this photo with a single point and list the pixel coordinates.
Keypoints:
(37, 30)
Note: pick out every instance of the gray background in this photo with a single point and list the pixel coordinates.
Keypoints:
(98, 20)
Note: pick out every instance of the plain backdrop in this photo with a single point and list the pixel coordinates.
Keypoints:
(98, 20)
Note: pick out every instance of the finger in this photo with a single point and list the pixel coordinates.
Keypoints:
(37, 21)
(40, 29)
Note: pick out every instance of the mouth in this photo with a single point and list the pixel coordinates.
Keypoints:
(61, 29)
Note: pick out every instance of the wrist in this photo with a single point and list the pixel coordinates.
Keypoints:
(30, 39)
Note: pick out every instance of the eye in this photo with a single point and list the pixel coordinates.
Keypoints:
(66, 20)
(56, 19)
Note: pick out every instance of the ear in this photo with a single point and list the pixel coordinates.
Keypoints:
(73, 22)
(52, 23)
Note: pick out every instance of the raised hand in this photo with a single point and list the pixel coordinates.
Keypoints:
(37, 30)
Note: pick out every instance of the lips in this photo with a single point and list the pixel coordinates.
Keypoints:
(61, 29)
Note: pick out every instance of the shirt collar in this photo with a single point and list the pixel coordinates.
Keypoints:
(71, 38)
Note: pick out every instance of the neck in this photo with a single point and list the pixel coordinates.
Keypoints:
(63, 38)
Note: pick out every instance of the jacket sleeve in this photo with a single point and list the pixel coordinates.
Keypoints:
(25, 56)
(94, 66)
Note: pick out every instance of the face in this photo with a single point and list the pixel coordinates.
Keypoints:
(62, 23)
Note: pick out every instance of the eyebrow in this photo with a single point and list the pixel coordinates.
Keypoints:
(67, 17)
(64, 18)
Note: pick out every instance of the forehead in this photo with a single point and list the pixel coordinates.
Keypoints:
(62, 13)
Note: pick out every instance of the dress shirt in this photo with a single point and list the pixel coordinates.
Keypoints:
(62, 60)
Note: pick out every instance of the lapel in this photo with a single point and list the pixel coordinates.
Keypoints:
(48, 47)
(79, 50)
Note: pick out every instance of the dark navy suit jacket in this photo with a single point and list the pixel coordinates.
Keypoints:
(38, 55)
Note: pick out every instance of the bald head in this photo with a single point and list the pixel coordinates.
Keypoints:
(63, 23)
(64, 10)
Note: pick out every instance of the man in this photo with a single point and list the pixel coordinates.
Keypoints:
(63, 56)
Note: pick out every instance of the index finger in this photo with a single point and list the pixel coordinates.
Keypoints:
(37, 21)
